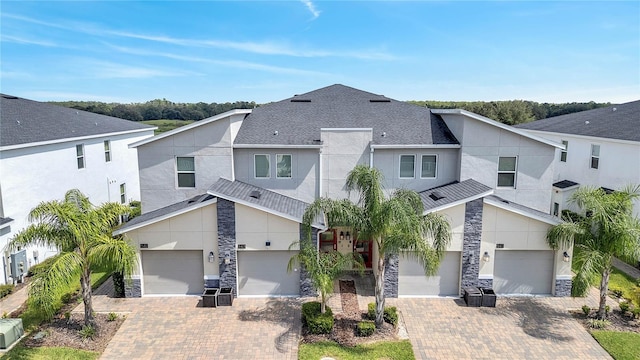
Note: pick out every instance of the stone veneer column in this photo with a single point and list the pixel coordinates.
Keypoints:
(227, 243)
(391, 276)
(132, 288)
(563, 287)
(471, 244)
(306, 286)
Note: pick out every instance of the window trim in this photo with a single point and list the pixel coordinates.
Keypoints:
(563, 153)
(178, 172)
(123, 193)
(422, 163)
(107, 151)
(592, 157)
(290, 166)
(514, 172)
(400, 166)
(81, 157)
(255, 175)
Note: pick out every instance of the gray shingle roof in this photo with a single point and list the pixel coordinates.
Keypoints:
(452, 193)
(623, 123)
(238, 191)
(298, 120)
(5, 220)
(25, 121)
(524, 209)
(565, 184)
(167, 210)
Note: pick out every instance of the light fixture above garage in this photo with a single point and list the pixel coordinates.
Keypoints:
(486, 257)
(211, 257)
(566, 257)
(227, 258)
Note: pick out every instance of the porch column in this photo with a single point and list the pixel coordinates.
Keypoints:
(306, 286)
(472, 239)
(227, 244)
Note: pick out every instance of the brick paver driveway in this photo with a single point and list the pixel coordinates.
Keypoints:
(178, 328)
(518, 328)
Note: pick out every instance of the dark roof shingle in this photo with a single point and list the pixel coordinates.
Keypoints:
(565, 184)
(620, 122)
(26, 121)
(451, 193)
(298, 120)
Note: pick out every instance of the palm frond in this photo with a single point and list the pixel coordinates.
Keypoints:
(47, 287)
(113, 254)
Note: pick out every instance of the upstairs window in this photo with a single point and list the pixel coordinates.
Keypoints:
(123, 193)
(80, 155)
(563, 153)
(107, 150)
(407, 166)
(429, 164)
(595, 156)
(507, 171)
(186, 171)
(261, 166)
(283, 163)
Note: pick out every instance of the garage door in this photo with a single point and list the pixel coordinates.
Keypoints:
(413, 282)
(523, 272)
(264, 273)
(172, 272)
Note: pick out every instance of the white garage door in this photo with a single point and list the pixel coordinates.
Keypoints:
(172, 272)
(264, 273)
(523, 272)
(413, 282)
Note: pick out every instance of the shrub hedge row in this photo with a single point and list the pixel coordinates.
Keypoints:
(6, 290)
(316, 322)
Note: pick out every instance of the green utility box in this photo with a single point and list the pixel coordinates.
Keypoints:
(10, 331)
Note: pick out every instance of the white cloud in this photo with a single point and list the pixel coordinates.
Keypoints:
(22, 40)
(312, 8)
(44, 95)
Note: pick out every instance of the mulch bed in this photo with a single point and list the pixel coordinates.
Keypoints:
(617, 321)
(344, 328)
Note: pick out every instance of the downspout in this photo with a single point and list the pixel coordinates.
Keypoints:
(371, 155)
(320, 173)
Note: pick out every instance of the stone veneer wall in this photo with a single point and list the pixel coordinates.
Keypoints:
(306, 286)
(563, 287)
(227, 243)
(133, 289)
(485, 283)
(471, 244)
(212, 283)
(391, 276)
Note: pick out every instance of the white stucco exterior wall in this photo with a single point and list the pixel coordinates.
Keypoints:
(343, 149)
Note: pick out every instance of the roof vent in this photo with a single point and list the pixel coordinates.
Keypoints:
(384, 134)
(18, 122)
(379, 100)
(614, 109)
(255, 194)
(10, 97)
(275, 132)
(505, 201)
(436, 195)
(301, 100)
(586, 122)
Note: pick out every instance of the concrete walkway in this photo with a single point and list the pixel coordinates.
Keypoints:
(626, 268)
(13, 301)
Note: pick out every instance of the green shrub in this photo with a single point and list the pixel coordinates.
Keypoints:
(43, 266)
(316, 322)
(87, 332)
(586, 310)
(112, 316)
(617, 293)
(636, 312)
(371, 311)
(390, 313)
(6, 290)
(67, 316)
(365, 328)
(624, 306)
(67, 297)
(598, 324)
(607, 308)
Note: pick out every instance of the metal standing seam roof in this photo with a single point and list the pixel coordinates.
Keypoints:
(298, 120)
(162, 212)
(258, 197)
(453, 193)
(25, 121)
(621, 122)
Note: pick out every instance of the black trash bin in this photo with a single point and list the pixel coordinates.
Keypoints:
(473, 297)
(488, 297)
(210, 297)
(225, 297)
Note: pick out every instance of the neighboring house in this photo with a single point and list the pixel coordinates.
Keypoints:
(232, 191)
(602, 148)
(45, 150)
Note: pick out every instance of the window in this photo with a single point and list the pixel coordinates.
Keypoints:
(595, 156)
(563, 153)
(80, 155)
(123, 193)
(261, 165)
(283, 163)
(507, 172)
(428, 166)
(107, 150)
(407, 166)
(186, 172)
(556, 209)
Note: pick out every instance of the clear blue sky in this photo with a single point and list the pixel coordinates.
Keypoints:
(217, 51)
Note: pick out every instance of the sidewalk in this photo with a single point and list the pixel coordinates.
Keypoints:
(626, 268)
(13, 301)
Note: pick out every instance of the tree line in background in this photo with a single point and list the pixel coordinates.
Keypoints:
(508, 112)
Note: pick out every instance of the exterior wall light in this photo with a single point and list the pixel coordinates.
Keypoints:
(566, 257)
(227, 258)
(348, 236)
(267, 243)
(486, 257)
(341, 235)
(211, 257)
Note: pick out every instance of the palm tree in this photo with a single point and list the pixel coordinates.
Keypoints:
(395, 224)
(82, 233)
(605, 228)
(323, 268)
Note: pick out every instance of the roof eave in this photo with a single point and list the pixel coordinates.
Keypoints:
(59, 141)
(501, 205)
(458, 202)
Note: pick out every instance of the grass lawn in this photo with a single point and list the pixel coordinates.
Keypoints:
(620, 345)
(20, 352)
(388, 350)
(166, 125)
